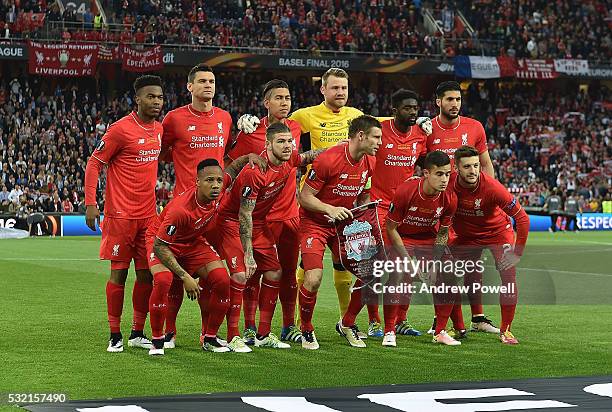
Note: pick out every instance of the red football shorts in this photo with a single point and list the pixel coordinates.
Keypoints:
(191, 257)
(471, 248)
(230, 247)
(314, 239)
(123, 240)
(286, 235)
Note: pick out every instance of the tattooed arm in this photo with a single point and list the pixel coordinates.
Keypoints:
(309, 156)
(165, 255)
(252, 159)
(245, 216)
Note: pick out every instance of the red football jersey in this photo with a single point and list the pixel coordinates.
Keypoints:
(286, 206)
(263, 187)
(485, 210)
(467, 131)
(130, 149)
(339, 179)
(184, 220)
(418, 215)
(395, 160)
(194, 136)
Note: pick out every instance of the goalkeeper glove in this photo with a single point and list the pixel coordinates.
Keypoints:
(425, 124)
(247, 123)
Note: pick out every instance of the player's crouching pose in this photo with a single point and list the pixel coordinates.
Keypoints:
(418, 226)
(246, 242)
(178, 252)
(338, 181)
(483, 221)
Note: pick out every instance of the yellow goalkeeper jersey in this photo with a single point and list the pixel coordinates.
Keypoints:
(325, 126)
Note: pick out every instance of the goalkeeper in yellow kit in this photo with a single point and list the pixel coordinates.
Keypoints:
(324, 126)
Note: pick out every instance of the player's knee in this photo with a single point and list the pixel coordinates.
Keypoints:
(273, 275)
(118, 276)
(239, 277)
(312, 280)
(163, 280)
(144, 276)
(219, 283)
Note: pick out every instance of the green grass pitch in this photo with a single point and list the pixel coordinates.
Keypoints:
(55, 331)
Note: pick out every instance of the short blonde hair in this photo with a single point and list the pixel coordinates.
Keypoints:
(336, 72)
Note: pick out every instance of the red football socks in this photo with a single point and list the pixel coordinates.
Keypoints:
(175, 300)
(288, 296)
(354, 306)
(307, 304)
(140, 302)
(218, 300)
(373, 315)
(158, 303)
(233, 313)
(114, 305)
(267, 302)
(250, 300)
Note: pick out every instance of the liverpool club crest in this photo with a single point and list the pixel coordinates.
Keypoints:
(360, 244)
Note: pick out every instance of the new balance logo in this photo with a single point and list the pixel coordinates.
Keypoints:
(389, 146)
(413, 209)
(436, 141)
(141, 141)
(344, 176)
(191, 128)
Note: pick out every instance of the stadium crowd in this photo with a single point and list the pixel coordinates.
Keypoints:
(532, 29)
(537, 29)
(538, 139)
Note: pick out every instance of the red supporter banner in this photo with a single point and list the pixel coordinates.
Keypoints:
(141, 61)
(108, 54)
(536, 69)
(361, 242)
(65, 60)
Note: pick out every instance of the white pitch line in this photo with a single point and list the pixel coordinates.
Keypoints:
(568, 252)
(566, 272)
(551, 242)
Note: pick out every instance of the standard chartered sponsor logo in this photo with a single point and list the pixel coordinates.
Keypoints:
(201, 142)
(419, 221)
(449, 152)
(272, 192)
(400, 160)
(347, 190)
(147, 155)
